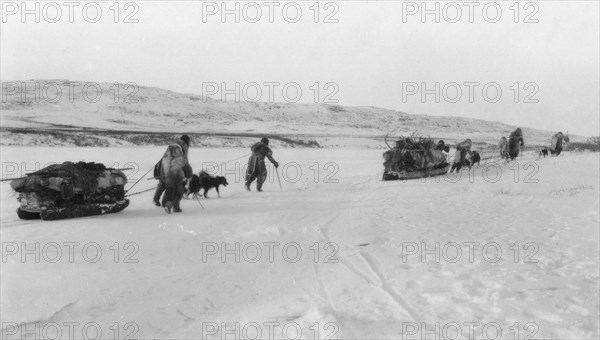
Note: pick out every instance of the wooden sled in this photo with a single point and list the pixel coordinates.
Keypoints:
(78, 210)
(406, 175)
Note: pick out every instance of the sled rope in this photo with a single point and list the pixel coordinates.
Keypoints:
(134, 184)
(452, 155)
(227, 162)
(235, 159)
(198, 200)
(139, 192)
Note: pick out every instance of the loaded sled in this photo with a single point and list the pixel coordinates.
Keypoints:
(415, 159)
(70, 190)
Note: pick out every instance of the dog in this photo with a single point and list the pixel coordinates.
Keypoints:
(205, 181)
(458, 166)
(544, 153)
(475, 158)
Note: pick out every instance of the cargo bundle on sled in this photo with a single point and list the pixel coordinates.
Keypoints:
(71, 190)
(412, 159)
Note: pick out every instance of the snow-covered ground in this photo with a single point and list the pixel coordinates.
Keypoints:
(336, 254)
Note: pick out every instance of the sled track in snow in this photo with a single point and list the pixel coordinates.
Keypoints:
(372, 264)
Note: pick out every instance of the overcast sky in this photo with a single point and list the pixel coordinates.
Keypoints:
(375, 53)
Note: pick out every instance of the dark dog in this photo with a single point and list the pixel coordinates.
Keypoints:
(475, 158)
(544, 153)
(458, 166)
(206, 182)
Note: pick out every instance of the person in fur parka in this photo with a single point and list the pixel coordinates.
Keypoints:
(256, 164)
(173, 169)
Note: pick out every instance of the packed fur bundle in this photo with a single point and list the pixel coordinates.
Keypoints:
(415, 153)
(68, 184)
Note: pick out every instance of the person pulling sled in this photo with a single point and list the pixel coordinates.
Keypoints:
(503, 146)
(173, 171)
(256, 164)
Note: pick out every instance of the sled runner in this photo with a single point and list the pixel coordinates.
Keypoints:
(70, 190)
(79, 210)
(405, 175)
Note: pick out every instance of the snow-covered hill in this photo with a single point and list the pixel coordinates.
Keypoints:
(62, 112)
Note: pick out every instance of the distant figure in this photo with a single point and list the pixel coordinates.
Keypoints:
(460, 158)
(543, 152)
(515, 142)
(557, 143)
(475, 158)
(503, 145)
(441, 146)
(256, 164)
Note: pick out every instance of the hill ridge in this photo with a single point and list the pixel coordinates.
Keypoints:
(137, 109)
